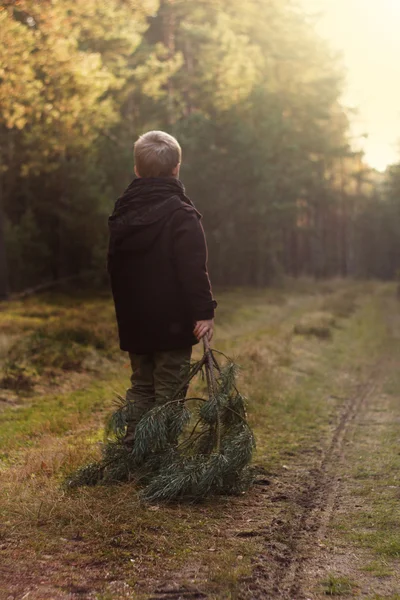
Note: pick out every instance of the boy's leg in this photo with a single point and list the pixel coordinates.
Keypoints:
(141, 395)
(170, 371)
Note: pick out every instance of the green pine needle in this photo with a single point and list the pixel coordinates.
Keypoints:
(172, 459)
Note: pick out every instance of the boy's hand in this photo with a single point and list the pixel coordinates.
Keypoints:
(203, 328)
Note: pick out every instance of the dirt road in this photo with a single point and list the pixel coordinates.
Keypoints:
(323, 518)
(304, 555)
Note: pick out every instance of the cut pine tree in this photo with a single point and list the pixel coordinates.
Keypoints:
(188, 448)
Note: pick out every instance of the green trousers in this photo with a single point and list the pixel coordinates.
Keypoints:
(155, 378)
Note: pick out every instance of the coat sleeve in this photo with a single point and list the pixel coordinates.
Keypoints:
(190, 260)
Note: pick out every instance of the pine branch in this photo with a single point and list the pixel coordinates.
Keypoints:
(171, 460)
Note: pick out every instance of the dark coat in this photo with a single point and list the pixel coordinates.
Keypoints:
(157, 262)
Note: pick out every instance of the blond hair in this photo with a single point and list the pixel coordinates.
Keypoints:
(156, 154)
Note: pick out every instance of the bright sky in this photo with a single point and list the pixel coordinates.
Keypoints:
(367, 34)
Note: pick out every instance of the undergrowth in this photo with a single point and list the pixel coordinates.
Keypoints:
(47, 341)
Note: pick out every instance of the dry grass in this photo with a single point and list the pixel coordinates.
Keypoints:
(91, 532)
(318, 324)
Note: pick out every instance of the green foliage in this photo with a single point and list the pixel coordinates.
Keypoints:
(61, 73)
(253, 95)
(174, 459)
(378, 231)
(28, 251)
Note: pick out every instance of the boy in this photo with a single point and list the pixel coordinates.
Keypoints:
(157, 262)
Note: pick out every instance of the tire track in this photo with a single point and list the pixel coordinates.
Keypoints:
(292, 539)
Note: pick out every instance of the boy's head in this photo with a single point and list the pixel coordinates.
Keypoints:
(157, 154)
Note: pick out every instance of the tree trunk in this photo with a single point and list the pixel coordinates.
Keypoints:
(4, 288)
(169, 24)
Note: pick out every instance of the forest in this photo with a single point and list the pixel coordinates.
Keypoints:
(298, 398)
(252, 94)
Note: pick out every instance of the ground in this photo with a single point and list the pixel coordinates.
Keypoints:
(320, 367)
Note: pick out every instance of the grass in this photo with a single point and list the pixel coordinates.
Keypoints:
(375, 473)
(369, 519)
(379, 568)
(318, 324)
(56, 414)
(335, 585)
(295, 385)
(379, 597)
